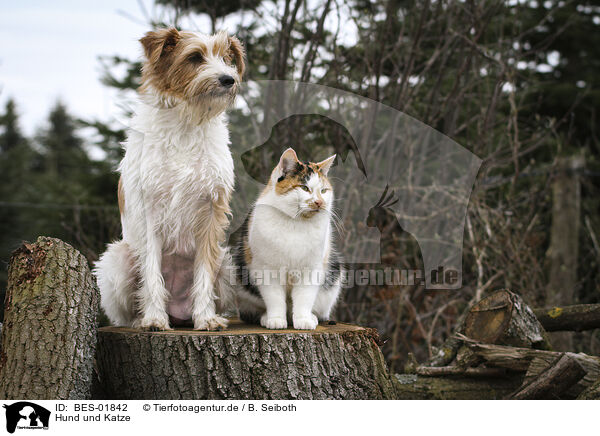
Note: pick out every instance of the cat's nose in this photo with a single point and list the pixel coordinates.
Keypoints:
(318, 203)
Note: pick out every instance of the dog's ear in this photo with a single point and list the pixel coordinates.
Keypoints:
(157, 42)
(237, 52)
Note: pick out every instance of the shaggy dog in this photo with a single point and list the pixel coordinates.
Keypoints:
(176, 182)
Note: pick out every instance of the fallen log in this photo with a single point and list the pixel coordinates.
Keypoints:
(49, 329)
(533, 361)
(552, 382)
(416, 387)
(437, 371)
(592, 392)
(339, 361)
(577, 318)
(504, 318)
(500, 318)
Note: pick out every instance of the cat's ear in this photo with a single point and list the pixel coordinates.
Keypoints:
(326, 164)
(288, 161)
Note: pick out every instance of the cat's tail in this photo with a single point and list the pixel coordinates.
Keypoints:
(225, 285)
(250, 305)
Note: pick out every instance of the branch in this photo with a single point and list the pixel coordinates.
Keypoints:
(572, 318)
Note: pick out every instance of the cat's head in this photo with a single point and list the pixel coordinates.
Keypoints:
(301, 189)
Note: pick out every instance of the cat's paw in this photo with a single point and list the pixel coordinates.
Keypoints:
(305, 322)
(210, 323)
(273, 322)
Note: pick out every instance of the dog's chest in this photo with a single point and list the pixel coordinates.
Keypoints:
(184, 180)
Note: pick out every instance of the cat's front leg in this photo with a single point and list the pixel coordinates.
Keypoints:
(275, 301)
(303, 300)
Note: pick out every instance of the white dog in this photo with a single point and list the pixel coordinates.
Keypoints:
(176, 181)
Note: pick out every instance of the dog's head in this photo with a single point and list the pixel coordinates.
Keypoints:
(200, 70)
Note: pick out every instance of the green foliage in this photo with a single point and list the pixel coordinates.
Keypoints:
(49, 186)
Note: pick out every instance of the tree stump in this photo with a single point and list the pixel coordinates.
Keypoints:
(49, 330)
(339, 361)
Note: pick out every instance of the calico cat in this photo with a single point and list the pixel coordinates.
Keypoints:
(287, 267)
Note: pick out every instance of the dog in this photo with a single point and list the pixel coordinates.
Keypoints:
(176, 182)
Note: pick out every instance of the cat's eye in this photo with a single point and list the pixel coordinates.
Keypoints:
(324, 190)
(305, 188)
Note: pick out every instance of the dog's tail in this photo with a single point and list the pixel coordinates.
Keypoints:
(116, 274)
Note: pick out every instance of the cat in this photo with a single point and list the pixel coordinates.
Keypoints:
(286, 254)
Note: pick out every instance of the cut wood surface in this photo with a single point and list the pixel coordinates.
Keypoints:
(339, 361)
(49, 329)
(504, 318)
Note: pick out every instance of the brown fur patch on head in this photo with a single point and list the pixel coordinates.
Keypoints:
(294, 178)
(237, 51)
(159, 42)
(175, 61)
(298, 176)
(291, 173)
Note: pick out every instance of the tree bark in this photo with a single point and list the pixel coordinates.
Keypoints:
(49, 330)
(243, 362)
(592, 392)
(577, 318)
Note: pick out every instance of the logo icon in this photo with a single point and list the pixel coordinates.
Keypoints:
(26, 415)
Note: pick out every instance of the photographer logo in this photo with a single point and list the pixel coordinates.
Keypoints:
(26, 415)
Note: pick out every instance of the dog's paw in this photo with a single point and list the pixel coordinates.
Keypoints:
(153, 324)
(306, 322)
(273, 322)
(215, 322)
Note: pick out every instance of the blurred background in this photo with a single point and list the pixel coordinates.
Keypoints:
(515, 82)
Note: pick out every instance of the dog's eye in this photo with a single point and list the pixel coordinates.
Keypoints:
(196, 58)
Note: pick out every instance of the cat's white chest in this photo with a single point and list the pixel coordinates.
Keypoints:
(277, 241)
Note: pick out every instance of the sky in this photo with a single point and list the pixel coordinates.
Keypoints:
(49, 51)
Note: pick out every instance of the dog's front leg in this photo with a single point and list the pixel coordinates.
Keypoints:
(153, 295)
(209, 235)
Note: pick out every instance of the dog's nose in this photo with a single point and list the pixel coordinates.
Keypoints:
(226, 81)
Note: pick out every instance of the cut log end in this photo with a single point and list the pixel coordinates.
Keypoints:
(339, 361)
(238, 327)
